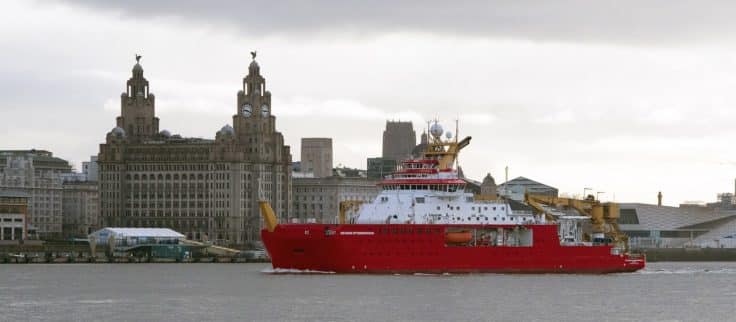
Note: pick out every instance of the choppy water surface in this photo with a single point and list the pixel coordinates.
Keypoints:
(253, 292)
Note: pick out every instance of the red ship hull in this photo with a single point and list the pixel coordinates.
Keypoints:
(366, 248)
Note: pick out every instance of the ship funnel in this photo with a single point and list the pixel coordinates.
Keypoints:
(269, 217)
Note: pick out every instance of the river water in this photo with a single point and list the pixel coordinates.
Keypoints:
(252, 292)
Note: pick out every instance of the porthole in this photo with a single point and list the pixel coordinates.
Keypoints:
(503, 218)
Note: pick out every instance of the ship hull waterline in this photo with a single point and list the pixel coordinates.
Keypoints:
(409, 248)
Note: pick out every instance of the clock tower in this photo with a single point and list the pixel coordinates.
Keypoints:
(253, 122)
(138, 107)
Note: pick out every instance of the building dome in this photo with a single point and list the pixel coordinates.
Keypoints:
(165, 133)
(118, 131)
(254, 65)
(227, 129)
(488, 180)
(137, 68)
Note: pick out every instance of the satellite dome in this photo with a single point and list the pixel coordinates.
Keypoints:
(436, 130)
(227, 129)
(118, 131)
(165, 133)
(448, 135)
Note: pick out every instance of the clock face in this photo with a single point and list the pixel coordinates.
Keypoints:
(264, 110)
(247, 110)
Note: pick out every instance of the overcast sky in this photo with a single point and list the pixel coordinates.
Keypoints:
(625, 97)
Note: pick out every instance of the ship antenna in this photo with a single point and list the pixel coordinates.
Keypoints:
(457, 128)
(457, 133)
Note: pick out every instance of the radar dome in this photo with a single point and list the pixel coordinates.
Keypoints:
(448, 135)
(166, 133)
(436, 130)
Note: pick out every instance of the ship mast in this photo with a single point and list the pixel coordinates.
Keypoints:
(444, 151)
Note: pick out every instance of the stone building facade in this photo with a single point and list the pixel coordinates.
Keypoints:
(38, 174)
(318, 199)
(206, 189)
(13, 214)
(316, 154)
(80, 208)
(399, 140)
(488, 187)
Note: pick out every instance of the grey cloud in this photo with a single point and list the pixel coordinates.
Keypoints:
(626, 21)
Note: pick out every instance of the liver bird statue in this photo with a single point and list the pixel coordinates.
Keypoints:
(253, 54)
(138, 58)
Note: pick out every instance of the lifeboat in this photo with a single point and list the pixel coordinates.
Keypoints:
(458, 237)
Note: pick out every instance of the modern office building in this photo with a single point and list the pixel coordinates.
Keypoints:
(316, 154)
(89, 168)
(38, 174)
(207, 189)
(662, 226)
(378, 168)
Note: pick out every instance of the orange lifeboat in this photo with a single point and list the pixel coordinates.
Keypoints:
(458, 237)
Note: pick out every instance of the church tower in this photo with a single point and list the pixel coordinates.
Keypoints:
(138, 108)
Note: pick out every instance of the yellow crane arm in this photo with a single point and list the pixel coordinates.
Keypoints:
(269, 217)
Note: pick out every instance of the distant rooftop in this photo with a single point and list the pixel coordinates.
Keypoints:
(139, 232)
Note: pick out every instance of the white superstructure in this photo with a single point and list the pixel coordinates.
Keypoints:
(429, 191)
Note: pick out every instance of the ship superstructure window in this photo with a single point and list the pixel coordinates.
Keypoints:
(488, 237)
(420, 199)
